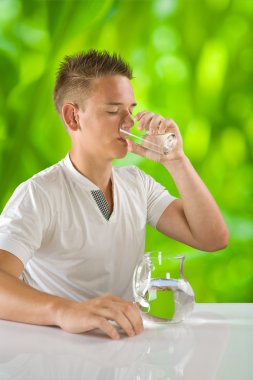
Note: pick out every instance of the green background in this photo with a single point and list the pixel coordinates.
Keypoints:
(192, 60)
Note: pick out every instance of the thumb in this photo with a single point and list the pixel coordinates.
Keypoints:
(130, 145)
(141, 151)
(136, 148)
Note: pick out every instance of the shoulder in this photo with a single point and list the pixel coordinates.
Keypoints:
(128, 172)
(48, 181)
(40, 185)
(48, 175)
(130, 176)
(138, 176)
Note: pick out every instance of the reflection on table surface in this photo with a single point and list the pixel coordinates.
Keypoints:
(216, 342)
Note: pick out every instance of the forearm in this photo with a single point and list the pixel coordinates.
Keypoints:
(21, 303)
(201, 211)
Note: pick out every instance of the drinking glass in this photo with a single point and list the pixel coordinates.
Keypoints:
(159, 143)
(160, 288)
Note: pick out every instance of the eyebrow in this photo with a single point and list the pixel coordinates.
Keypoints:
(120, 104)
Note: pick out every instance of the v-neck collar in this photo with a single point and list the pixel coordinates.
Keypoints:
(89, 185)
(102, 203)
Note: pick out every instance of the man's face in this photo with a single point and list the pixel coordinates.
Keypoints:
(108, 109)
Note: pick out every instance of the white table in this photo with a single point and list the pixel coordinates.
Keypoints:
(216, 342)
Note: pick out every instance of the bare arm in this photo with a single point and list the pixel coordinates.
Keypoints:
(195, 219)
(21, 303)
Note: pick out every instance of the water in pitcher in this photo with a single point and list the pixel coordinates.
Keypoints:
(169, 300)
(160, 288)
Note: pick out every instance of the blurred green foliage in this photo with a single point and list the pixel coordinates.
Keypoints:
(192, 60)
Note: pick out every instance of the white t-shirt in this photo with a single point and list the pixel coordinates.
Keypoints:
(53, 224)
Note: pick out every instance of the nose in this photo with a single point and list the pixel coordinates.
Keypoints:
(127, 121)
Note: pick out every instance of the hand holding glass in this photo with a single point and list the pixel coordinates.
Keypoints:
(159, 143)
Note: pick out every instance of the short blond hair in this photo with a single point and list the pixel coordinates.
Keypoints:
(77, 72)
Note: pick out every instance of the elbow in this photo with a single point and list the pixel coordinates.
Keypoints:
(218, 242)
(224, 238)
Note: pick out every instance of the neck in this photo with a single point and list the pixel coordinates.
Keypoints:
(97, 170)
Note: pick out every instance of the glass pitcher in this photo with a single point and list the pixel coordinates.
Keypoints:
(161, 289)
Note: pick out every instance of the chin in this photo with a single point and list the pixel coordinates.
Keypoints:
(120, 153)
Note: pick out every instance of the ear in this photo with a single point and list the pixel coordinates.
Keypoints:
(70, 117)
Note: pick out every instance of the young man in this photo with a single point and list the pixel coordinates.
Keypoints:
(71, 235)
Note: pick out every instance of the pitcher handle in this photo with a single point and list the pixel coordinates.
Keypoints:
(139, 293)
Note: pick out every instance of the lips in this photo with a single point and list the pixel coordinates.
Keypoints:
(121, 139)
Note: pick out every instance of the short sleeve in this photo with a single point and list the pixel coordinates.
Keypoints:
(23, 221)
(158, 198)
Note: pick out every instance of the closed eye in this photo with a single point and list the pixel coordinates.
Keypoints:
(115, 112)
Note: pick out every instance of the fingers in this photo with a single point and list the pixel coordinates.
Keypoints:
(149, 122)
(124, 313)
(154, 123)
(143, 152)
(150, 147)
(144, 119)
(120, 318)
(107, 328)
(82, 321)
(97, 312)
(132, 313)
